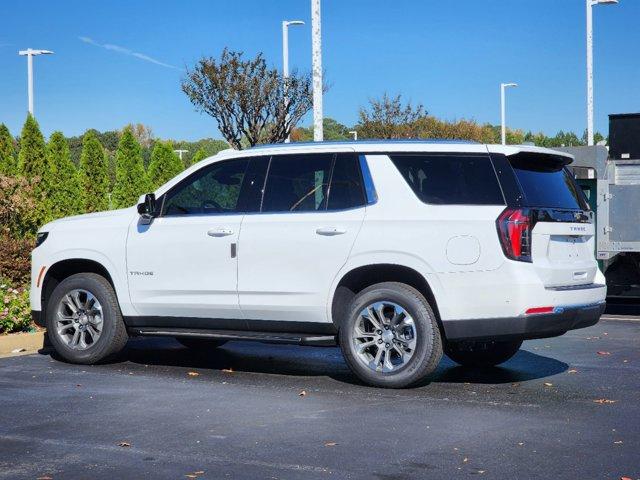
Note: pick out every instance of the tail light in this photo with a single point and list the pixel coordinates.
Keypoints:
(514, 230)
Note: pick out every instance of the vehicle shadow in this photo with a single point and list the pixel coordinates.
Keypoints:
(294, 360)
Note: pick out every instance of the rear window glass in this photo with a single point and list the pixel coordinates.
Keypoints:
(451, 179)
(545, 182)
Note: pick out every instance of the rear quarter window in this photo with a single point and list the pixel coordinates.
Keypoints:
(450, 179)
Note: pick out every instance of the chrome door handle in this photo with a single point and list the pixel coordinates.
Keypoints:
(330, 231)
(220, 232)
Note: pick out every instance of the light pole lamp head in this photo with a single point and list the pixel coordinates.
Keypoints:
(287, 23)
(31, 51)
(505, 85)
(604, 2)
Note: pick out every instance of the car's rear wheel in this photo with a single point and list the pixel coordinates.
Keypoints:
(390, 337)
(84, 322)
(482, 353)
(200, 343)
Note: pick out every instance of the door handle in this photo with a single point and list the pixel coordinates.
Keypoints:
(220, 232)
(330, 231)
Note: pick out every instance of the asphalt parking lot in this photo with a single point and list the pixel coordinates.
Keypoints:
(566, 407)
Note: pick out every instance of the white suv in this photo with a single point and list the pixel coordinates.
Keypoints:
(395, 250)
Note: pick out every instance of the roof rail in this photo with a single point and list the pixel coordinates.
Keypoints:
(359, 142)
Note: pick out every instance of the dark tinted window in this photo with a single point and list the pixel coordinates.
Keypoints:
(545, 182)
(452, 180)
(297, 183)
(213, 189)
(253, 185)
(346, 183)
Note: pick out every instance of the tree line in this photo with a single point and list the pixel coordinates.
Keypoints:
(42, 181)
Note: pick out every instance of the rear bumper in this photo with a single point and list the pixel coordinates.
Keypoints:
(524, 327)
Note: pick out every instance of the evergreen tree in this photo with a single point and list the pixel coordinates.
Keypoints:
(94, 178)
(32, 159)
(131, 179)
(201, 154)
(164, 165)
(7, 152)
(62, 182)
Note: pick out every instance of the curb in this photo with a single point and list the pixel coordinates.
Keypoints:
(23, 343)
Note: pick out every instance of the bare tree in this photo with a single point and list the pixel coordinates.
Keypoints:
(142, 133)
(388, 117)
(251, 102)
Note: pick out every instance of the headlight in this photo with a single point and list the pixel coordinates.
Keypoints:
(40, 238)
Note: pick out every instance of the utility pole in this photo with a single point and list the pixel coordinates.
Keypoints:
(590, 4)
(503, 121)
(285, 64)
(316, 54)
(30, 53)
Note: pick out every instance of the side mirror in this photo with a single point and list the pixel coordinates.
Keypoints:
(147, 207)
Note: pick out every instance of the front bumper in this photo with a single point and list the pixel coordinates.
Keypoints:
(37, 318)
(524, 327)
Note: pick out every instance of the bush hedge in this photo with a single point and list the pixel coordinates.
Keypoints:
(15, 310)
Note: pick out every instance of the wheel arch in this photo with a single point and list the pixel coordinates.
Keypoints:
(65, 268)
(360, 277)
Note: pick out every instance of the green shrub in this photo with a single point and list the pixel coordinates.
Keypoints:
(15, 310)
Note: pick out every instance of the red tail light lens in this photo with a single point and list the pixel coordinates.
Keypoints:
(514, 230)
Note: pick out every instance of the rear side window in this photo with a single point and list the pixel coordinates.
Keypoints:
(545, 182)
(451, 179)
(297, 183)
(346, 183)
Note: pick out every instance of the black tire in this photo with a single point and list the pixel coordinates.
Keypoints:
(113, 337)
(200, 343)
(428, 347)
(482, 353)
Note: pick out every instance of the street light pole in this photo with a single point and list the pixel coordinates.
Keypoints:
(30, 53)
(285, 63)
(590, 4)
(180, 151)
(503, 121)
(355, 135)
(316, 56)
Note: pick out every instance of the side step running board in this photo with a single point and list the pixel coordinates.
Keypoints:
(266, 337)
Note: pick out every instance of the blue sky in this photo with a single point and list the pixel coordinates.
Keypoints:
(121, 61)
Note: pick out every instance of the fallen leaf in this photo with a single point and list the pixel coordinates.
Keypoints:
(618, 442)
(573, 370)
(520, 443)
(46, 477)
(605, 333)
(78, 385)
(625, 361)
(330, 444)
(19, 350)
(124, 444)
(302, 393)
(481, 471)
(547, 384)
(465, 460)
(193, 374)
(227, 370)
(626, 478)
(604, 353)
(602, 401)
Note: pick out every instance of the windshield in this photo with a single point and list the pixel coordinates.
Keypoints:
(545, 182)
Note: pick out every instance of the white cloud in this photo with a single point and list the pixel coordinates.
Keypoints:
(126, 51)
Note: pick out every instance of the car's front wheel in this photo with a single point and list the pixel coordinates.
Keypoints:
(482, 353)
(83, 318)
(390, 337)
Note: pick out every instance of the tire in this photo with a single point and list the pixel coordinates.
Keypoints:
(201, 344)
(112, 336)
(482, 353)
(423, 349)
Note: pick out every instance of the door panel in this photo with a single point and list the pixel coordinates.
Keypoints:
(290, 254)
(177, 268)
(288, 262)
